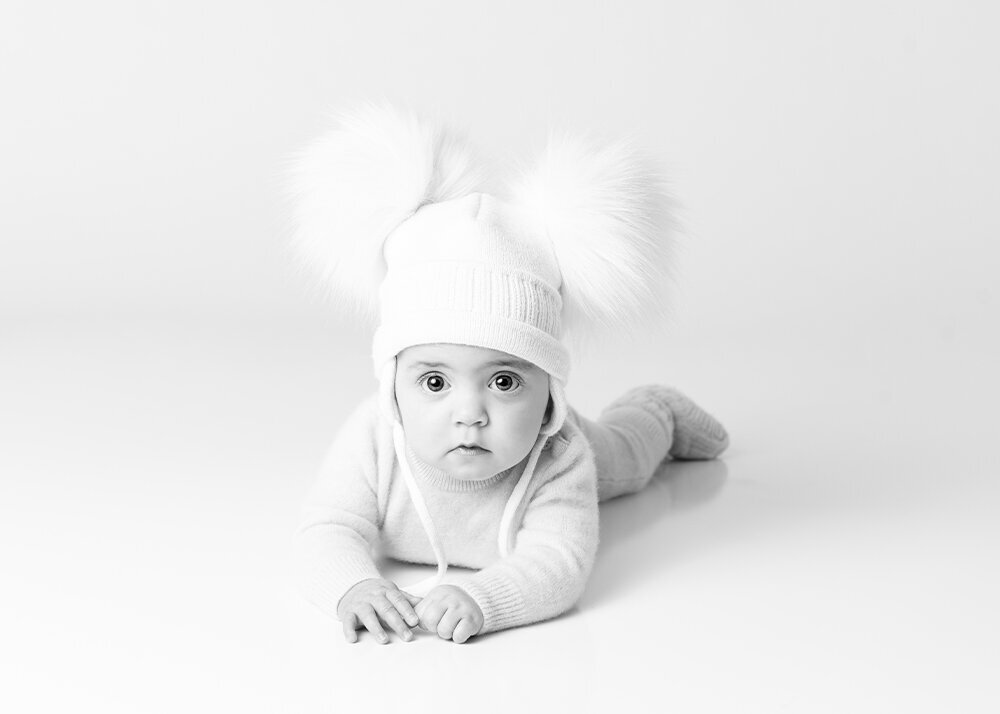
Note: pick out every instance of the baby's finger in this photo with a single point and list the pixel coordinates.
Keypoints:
(430, 614)
(448, 623)
(371, 623)
(350, 627)
(414, 599)
(404, 607)
(465, 629)
(387, 612)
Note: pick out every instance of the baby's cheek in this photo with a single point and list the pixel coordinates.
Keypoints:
(525, 434)
(421, 440)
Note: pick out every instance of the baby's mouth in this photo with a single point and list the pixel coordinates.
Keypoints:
(470, 449)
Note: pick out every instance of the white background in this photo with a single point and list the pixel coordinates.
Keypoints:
(167, 384)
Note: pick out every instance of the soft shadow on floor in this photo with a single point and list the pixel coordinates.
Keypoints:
(678, 486)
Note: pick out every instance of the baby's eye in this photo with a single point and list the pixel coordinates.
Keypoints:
(433, 383)
(506, 382)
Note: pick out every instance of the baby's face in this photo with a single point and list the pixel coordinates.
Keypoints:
(454, 396)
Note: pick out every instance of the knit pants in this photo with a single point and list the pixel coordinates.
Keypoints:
(636, 432)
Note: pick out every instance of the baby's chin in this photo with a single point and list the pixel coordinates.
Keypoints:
(474, 468)
(470, 474)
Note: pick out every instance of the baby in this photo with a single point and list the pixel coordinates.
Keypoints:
(468, 454)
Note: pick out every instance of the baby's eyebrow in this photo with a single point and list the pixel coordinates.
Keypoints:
(512, 363)
(427, 365)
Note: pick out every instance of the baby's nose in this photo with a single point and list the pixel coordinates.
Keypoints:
(470, 409)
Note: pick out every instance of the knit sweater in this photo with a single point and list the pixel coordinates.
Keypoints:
(360, 509)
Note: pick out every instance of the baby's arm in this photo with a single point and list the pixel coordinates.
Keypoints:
(339, 526)
(545, 573)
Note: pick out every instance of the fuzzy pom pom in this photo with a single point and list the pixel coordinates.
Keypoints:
(356, 183)
(611, 224)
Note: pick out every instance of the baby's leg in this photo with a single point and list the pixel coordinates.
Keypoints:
(639, 429)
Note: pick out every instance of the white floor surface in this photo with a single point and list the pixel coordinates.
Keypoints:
(844, 555)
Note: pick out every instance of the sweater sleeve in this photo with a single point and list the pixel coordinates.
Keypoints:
(339, 525)
(545, 574)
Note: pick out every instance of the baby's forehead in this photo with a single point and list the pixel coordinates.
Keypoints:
(444, 355)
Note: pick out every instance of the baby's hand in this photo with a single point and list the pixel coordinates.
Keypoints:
(451, 612)
(374, 601)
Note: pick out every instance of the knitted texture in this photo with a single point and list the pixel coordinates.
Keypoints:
(630, 439)
(463, 272)
(658, 421)
(641, 429)
(360, 503)
(390, 211)
(697, 434)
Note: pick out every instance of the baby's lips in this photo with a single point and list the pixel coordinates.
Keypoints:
(470, 445)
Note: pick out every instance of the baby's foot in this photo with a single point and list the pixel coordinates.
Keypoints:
(697, 435)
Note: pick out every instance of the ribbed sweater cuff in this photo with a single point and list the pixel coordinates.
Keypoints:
(340, 575)
(500, 600)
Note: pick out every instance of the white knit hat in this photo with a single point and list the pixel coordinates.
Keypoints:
(391, 211)
(464, 271)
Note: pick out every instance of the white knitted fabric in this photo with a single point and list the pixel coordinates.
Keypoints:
(464, 272)
(388, 203)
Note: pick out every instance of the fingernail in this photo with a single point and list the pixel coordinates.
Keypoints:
(407, 636)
